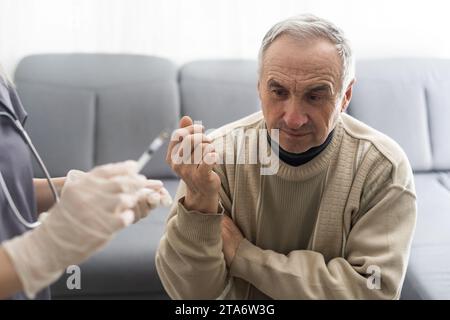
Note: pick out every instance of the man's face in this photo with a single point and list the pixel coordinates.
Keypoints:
(299, 88)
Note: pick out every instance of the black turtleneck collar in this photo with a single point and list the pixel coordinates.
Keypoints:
(297, 159)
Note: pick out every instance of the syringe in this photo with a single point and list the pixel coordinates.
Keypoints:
(155, 145)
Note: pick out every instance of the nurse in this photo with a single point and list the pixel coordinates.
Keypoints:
(80, 214)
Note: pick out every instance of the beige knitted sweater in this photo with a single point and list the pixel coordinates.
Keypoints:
(338, 227)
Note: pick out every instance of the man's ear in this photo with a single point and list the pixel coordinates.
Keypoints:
(347, 96)
(258, 87)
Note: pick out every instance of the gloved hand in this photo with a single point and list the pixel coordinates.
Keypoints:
(92, 209)
(151, 196)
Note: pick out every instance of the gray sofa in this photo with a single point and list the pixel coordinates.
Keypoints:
(89, 109)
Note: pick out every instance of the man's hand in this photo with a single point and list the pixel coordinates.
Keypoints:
(192, 157)
(231, 238)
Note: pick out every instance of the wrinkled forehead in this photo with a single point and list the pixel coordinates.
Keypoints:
(292, 60)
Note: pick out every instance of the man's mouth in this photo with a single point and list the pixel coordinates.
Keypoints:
(295, 134)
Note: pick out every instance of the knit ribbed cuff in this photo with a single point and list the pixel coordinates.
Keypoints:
(197, 226)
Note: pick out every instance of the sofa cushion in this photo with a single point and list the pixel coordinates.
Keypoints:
(218, 92)
(129, 118)
(428, 275)
(61, 124)
(438, 95)
(408, 99)
(384, 104)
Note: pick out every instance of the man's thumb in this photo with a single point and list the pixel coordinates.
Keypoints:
(186, 121)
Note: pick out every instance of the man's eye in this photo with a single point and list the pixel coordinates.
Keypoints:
(279, 92)
(315, 98)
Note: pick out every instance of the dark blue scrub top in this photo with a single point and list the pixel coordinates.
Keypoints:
(16, 168)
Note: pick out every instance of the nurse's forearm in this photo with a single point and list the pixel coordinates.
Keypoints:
(9, 280)
(44, 195)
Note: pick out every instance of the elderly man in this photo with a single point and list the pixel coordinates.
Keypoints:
(335, 221)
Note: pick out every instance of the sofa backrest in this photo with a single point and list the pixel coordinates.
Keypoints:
(218, 92)
(89, 109)
(409, 100)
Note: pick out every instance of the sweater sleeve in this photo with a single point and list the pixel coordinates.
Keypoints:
(189, 260)
(377, 248)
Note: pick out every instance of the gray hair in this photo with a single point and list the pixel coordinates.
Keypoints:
(305, 27)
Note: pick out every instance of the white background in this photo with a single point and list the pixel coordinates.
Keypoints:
(197, 29)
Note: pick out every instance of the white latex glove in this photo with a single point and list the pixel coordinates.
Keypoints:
(151, 196)
(94, 206)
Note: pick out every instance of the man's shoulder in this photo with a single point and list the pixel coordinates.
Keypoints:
(386, 153)
(385, 145)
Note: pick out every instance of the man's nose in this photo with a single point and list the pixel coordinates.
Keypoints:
(295, 115)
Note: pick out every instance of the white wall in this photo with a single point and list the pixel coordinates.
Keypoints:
(183, 30)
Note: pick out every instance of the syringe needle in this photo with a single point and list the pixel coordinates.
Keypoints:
(155, 145)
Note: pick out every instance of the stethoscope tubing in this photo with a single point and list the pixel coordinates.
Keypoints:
(27, 139)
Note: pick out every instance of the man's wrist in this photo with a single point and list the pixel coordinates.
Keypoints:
(201, 203)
